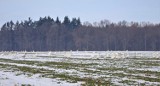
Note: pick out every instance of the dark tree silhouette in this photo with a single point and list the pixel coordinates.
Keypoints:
(49, 35)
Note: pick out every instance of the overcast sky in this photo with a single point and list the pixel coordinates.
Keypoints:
(87, 10)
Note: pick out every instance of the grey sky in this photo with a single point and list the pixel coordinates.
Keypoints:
(87, 10)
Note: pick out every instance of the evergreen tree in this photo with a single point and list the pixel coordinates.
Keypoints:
(74, 23)
(79, 22)
(66, 21)
(58, 21)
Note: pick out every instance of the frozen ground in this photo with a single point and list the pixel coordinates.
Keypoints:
(122, 68)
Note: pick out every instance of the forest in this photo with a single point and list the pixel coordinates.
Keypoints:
(48, 34)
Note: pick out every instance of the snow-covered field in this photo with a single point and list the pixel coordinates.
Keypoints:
(80, 68)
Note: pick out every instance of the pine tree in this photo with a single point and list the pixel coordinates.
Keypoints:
(58, 21)
(66, 21)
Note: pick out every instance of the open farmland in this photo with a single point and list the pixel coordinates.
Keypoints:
(80, 68)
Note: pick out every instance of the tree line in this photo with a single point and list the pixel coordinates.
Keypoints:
(48, 34)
